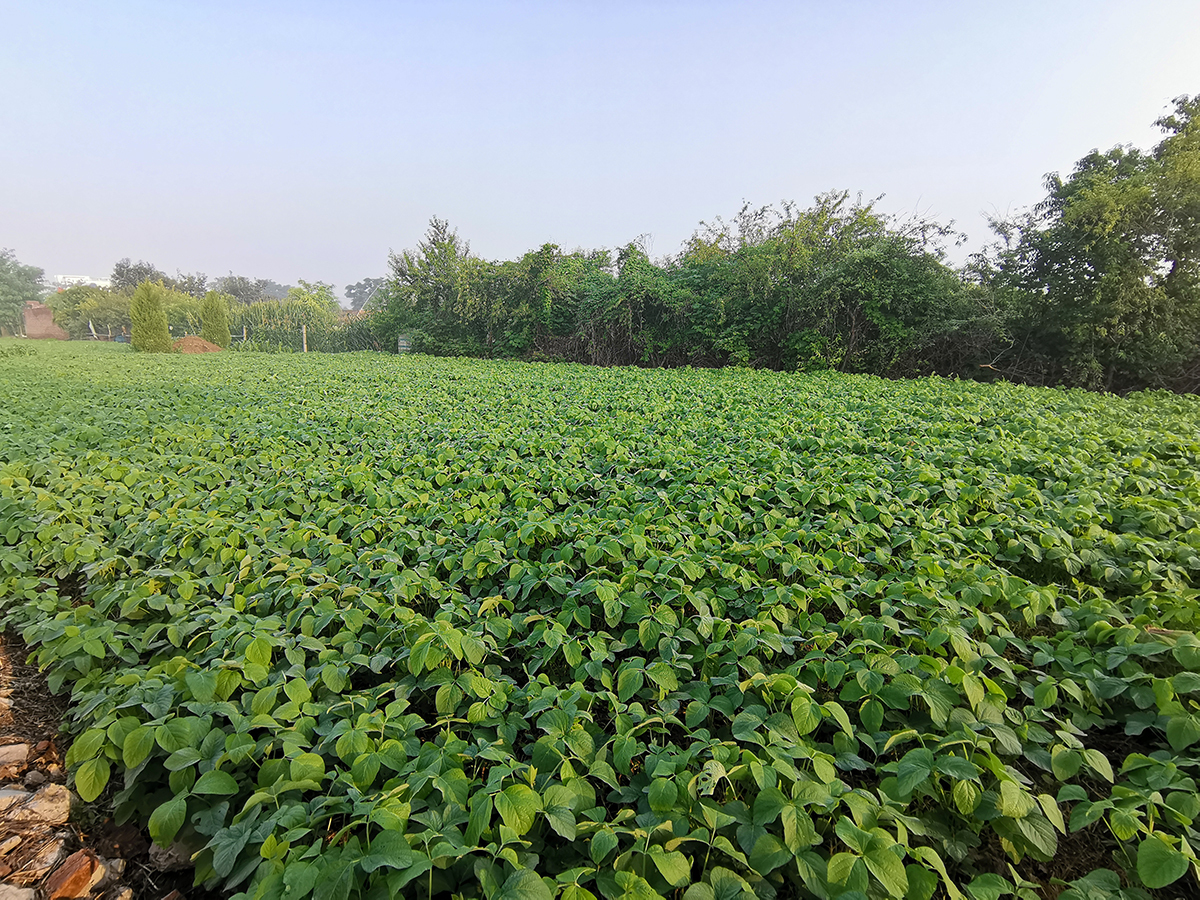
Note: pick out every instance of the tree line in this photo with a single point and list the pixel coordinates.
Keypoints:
(1098, 286)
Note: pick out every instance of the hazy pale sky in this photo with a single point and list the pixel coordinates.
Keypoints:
(291, 140)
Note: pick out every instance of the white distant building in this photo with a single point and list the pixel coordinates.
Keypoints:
(66, 281)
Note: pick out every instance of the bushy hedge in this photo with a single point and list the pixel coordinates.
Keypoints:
(214, 319)
(148, 316)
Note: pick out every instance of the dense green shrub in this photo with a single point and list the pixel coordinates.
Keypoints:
(214, 319)
(838, 285)
(148, 317)
(284, 323)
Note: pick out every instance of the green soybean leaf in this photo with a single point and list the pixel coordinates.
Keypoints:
(137, 746)
(629, 682)
(258, 651)
(674, 867)
(91, 778)
(299, 878)
(602, 844)
(915, 767)
(390, 849)
(174, 735)
(166, 820)
(989, 887)
(203, 685)
(524, 884)
(556, 806)
(518, 806)
(307, 767)
(768, 854)
(1182, 731)
(87, 745)
(1158, 863)
(662, 795)
(957, 767)
(215, 782)
(888, 868)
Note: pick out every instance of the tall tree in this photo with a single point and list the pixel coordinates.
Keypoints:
(1176, 187)
(127, 275)
(214, 319)
(1101, 279)
(193, 283)
(360, 292)
(19, 283)
(424, 293)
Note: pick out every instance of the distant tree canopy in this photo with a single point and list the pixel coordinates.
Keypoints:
(127, 275)
(194, 284)
(250, 290)
(19, 284)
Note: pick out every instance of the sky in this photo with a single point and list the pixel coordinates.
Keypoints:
(297, 140)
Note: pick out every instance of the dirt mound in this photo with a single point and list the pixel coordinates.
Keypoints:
(191, 344)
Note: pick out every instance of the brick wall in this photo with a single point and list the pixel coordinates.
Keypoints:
(39, 322)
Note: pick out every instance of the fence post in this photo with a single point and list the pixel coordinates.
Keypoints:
(304, 337)
(243, 334)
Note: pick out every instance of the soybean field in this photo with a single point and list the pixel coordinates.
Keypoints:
(360, 626)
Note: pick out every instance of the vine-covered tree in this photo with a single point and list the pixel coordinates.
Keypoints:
(424, 293)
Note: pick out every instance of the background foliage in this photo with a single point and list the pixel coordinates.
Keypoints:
(309, 312)
(1097, 287)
